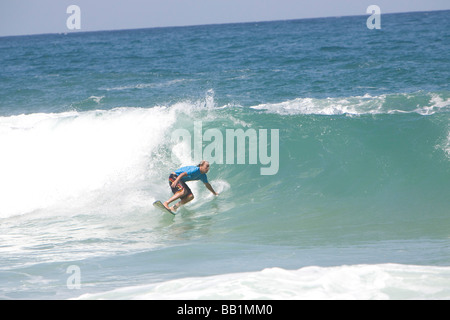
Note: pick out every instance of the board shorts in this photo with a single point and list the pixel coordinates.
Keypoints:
(181, 186)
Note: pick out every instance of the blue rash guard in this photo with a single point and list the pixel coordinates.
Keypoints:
(193, 173)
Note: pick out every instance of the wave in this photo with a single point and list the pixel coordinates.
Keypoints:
(354, 282)
(88, 159)
(50, 158)
(117, 160)
(93, 175)
(420, 103)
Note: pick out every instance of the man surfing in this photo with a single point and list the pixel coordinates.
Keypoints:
(178, 179)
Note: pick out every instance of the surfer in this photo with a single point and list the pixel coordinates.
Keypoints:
(178, 179)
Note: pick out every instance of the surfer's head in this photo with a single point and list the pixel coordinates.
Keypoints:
(204, 166)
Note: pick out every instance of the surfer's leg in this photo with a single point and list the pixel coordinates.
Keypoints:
(185, 200)
(179, 191)
(176, 196)
(187, 196)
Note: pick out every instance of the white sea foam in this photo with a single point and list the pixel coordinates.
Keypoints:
(48, 159)
(437, 103)
(365, 282)
(91, 158)
(446, 146)
(361, 105)
(329, 106)
(96, 99)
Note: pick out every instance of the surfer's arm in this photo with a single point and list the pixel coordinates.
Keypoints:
(210, 188)
(174, 184)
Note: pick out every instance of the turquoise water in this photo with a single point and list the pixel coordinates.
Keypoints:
(358, 207)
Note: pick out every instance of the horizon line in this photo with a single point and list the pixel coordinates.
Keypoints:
(209, 24)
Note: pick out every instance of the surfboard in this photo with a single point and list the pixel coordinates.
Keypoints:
(158, 204)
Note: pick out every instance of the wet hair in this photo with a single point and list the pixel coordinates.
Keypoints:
(201, 163)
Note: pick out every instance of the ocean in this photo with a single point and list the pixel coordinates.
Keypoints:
(356, 206)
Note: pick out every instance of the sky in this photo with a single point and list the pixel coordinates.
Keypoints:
(23, 17)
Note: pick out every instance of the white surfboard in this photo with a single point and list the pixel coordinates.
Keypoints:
(158, 204)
